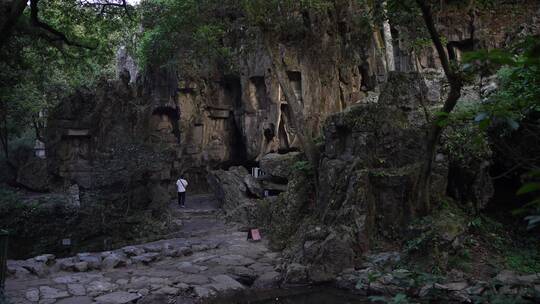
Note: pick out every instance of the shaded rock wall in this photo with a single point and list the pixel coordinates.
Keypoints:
(103, 140)
(238, 116)
(371, 155)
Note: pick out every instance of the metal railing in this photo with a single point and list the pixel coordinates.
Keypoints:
(3, 258)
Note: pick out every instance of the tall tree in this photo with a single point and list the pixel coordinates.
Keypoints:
(455, 80)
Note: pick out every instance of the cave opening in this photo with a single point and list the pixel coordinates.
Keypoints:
(367, 82)
(232, 88)
(233, 96)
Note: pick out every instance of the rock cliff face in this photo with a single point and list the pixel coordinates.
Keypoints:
(370, 163)
(215, 119)
(237, 117)
(241, 117)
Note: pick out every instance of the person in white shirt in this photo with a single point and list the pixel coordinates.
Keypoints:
(181, 185)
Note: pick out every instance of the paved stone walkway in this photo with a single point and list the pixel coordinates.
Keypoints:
(208, 257)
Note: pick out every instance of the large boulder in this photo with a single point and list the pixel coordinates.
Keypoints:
(237, 191)
(279, 165)
(229, 186)
(33, 175)
(373, 156)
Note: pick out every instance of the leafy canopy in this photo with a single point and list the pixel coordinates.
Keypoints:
(39, 69)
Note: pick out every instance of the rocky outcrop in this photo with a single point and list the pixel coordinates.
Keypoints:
(238, 193)
(372, 153)
(279, 166)
(229, 187)
(372, 156)
(102, 139)
(33, 174)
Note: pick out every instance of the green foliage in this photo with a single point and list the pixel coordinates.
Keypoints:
(513, 108)
(303, 166)
(519, 92)
(524, 260)
(531, 188)
(103, 217)
(436, 237)
(465, 142)
(460, 260)
(278, 15)
(184, 32)
(38, 71)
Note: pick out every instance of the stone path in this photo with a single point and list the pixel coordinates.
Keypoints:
(208, 258)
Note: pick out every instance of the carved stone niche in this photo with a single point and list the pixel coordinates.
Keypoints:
(77, 133)
(219, 113)
(186, 86)
(195, 139)
(75, 145)
(216, 149)
(257, 94)
(164, 122)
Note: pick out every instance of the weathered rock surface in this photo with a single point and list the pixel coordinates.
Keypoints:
(118, 297)
(237, 190)
(47, 292)
(34, 175)
(279, 165)
(389, 283)
(364, 189)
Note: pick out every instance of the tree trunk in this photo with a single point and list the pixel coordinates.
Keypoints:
(4, 131)
(423, 183)
(16, 11)
(298, 120)
(388, 42)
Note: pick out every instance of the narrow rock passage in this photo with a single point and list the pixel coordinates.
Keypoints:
(207, 257)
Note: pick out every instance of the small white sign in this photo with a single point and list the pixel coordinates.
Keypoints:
(66, 242)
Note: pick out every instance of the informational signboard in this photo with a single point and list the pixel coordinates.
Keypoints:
(254, 235)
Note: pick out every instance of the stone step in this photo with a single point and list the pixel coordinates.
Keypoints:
(192, 213)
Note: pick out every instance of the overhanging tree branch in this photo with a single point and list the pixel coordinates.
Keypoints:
(34, 10)
(104, 5)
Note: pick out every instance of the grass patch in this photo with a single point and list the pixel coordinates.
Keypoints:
(525, 260)
(461, 261)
